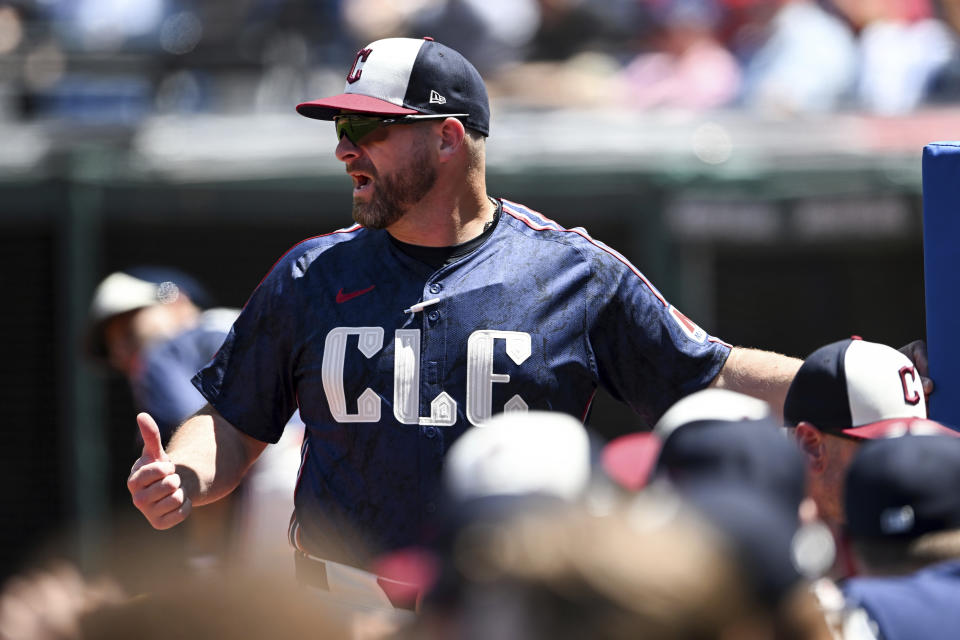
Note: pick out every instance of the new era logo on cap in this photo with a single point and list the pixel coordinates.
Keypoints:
(856, 388)
(406, 76)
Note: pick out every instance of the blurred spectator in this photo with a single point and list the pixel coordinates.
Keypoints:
(573, 57)
(630, 459)
(219, 607)
(493, 473)
(903, 520)
(901, 503)
(651, 571)
(153, 325)
(502, 457)
(902, 46)
(776, 557)
(49, 603)
(884, 56)
(60, 603)
(499, 477)
(722, 451)
(688, 66)
(650, 568)
(753, 453)
(370, 20)
(568, 28)
(787, 74)
(489, 33)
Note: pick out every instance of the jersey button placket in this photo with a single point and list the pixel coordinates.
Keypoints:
(432, 437)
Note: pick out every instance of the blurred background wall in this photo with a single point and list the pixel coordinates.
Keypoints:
(757, 159)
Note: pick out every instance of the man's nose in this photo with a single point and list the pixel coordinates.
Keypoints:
(346, 150)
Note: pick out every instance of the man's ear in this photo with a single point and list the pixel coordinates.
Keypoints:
(810, 441)
(452, 133)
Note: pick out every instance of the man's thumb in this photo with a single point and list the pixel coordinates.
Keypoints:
(150, 432)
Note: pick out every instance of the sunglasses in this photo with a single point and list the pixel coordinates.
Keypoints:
(356, 127)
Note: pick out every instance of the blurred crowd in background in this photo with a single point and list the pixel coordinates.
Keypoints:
(115, 62)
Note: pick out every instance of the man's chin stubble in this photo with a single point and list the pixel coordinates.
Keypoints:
(373, 215)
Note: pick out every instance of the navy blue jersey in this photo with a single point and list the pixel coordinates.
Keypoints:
(918, 605)
(390, 360)
(162, 387)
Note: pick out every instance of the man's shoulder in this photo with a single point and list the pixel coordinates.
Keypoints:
(298, 257)
(534, 224)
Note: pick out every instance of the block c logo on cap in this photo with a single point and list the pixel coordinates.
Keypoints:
(354, 74)
(912, 385)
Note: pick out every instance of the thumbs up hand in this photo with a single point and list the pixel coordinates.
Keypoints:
(154, 484)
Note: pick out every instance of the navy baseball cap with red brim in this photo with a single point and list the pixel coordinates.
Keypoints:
(407, 76)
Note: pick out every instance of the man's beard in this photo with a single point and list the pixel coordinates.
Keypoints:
(394, 194)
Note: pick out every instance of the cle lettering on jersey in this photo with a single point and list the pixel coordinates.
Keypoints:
(406, 376)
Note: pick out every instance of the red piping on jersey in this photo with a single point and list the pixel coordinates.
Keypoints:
(536, 227)
(586, 410)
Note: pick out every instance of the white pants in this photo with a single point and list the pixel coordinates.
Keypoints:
(355, 597)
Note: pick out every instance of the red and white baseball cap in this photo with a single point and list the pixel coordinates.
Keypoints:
(630, 459)
(860, 389)
(406, 76)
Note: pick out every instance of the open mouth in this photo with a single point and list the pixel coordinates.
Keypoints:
(360, 182)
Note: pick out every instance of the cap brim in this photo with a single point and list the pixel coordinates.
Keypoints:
(629, 459)
(897, 427)
(327, 108)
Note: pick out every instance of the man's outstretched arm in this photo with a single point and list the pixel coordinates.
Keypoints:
(205, 460)
(761, 374)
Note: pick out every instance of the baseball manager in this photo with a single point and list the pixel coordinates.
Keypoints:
(439, 308)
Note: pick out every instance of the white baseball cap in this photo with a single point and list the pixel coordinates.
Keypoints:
(516, 453)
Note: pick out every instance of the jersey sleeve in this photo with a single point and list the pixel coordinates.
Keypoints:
(250, 379)
(648, 354)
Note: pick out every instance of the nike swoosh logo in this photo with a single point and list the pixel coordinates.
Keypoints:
(343, 297)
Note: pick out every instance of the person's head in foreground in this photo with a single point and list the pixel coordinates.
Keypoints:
(902, 501)
(651, 568)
